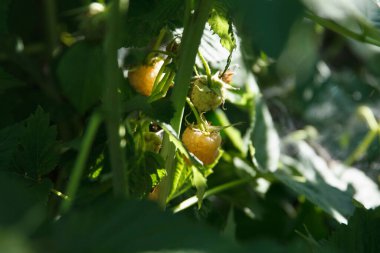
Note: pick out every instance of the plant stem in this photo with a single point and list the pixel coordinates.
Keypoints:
(341, 29)
(76, 173)
(192, 34)
(50, 26)
(157, 44)
(112, 104)
(194, 199)
(362, 147)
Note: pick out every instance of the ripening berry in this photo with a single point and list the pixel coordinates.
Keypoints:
(142, 77)
(203, 144)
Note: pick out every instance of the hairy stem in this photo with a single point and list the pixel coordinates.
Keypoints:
(341, 29)
(193, 30)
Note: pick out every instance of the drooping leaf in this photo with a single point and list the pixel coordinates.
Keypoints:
(220, 24)
(181, 176)
(130, 226)
(265, 138)
(265, 25)
(360, 235)
(357, 16)
(80, 73)
(37, 154)
(308, 175)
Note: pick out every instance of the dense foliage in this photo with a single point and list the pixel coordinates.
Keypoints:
(189, 126)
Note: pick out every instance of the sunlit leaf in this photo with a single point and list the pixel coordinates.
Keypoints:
(310, 176)
(219, 23)
(265, 138)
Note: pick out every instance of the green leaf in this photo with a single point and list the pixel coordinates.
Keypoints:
(265, 25)
(265, 138)
(200, 182)
(37, 154)
(161, 110)
(308, 175)
(80, 72)
(145, 172)
(131, 226)
(9, 138)
(361, 235)
(146, 18)
(354, 18)
(20, 198)
(181, 175)
(220, 25)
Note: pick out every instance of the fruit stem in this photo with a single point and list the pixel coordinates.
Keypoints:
(196, 71)
(160, 72)
(80, 162)
(206, 66)
(194, 24)
(112, 103)
(200, 122)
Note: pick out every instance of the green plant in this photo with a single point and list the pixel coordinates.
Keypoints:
(107, 105)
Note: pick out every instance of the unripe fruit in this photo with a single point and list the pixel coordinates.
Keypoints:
(142, 77)
(203, 97)
(204, 145)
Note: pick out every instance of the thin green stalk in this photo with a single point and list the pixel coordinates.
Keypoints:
(200, 122)
(341, 29)
(362, 147)
(194, 199)
(192, 34)
(77, 172)
(112, 103)
(206, 66)
(157, 44)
